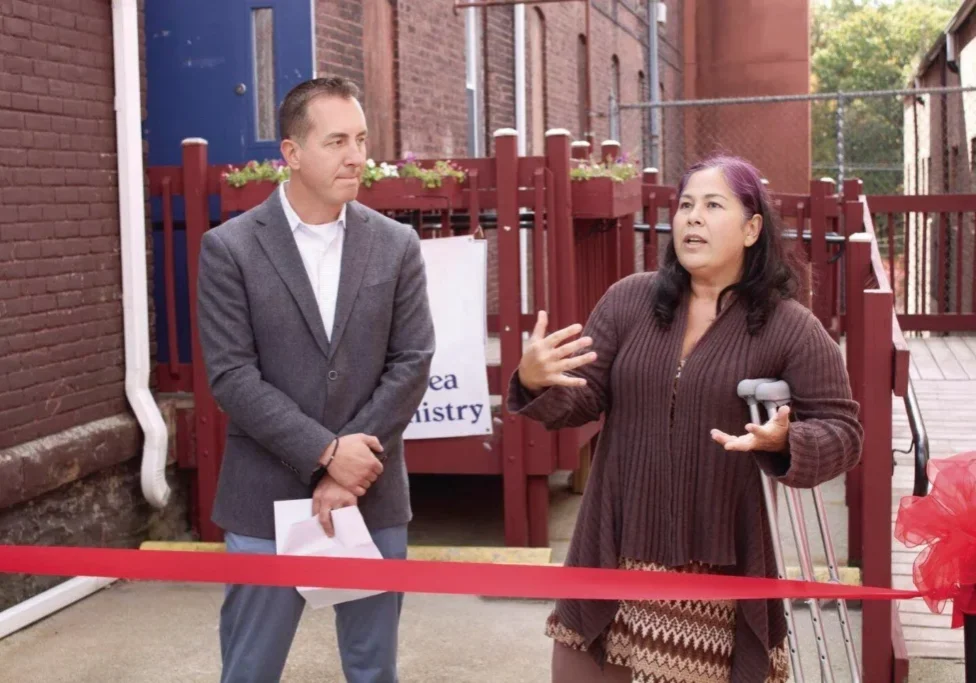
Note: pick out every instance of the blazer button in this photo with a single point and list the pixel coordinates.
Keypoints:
(333, 375)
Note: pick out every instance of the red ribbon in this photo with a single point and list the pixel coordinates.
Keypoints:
(415, 576)
(944, 522)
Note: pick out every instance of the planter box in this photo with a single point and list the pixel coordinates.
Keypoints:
(246, 197)
(409, 193)
(604, 198)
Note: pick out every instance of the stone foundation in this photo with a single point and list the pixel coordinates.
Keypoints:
(82, 488)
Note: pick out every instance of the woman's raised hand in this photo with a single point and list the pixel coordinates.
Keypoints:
(545, 363)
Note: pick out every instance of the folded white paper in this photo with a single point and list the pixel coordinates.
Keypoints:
(298, 532)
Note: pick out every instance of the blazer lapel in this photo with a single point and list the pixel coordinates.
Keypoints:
(278, 242)
(356, 247)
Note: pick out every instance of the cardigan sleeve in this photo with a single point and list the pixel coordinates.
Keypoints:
(825, 436)
(557, 407)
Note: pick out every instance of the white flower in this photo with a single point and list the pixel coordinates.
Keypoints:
(370, 163)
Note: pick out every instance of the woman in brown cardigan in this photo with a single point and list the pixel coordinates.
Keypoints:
(675, 483)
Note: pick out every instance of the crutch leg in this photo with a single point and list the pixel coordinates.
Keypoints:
(794, 505)
(791, 634)
(747, 389)
(845, 625)
(773, 396)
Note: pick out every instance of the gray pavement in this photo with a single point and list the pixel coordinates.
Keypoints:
(149, 632)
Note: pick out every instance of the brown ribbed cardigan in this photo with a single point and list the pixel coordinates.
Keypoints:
(675, 496)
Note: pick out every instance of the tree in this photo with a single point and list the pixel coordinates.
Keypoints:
(868, 45)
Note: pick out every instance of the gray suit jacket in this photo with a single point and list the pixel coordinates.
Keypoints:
(287, 389)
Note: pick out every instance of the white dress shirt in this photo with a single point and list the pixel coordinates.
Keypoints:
(321, 249)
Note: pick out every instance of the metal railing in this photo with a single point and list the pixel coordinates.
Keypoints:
(920, 441)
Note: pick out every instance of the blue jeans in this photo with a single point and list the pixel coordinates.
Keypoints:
(258, 623)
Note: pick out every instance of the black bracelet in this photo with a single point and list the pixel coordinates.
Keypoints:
(335, 451)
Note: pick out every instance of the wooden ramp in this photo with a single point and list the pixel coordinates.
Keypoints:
(943, 372)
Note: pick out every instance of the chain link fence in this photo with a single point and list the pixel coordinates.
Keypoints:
(913, 141)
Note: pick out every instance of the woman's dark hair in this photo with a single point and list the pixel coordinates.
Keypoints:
(770, 271)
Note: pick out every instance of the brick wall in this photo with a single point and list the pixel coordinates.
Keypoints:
(671, 66)
(61, 350)
(613, 31)
(430, 106)
(339, 39)
(433, 110)
(69, 445)
(499, 59)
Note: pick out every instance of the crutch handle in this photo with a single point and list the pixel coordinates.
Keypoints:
(747, 387)
(777, 392)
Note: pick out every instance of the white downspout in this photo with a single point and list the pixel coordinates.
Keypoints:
(520, 114)
(132, 222)
(135, 308)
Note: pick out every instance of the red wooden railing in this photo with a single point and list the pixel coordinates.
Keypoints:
(853, 264)
(522, 452)
(926, 244)
(877, 362)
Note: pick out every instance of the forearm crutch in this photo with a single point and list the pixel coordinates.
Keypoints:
(747, 391)
(773, 395)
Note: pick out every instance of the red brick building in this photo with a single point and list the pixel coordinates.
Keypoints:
(70, 444)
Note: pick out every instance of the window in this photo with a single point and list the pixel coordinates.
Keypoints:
(581, 85)
(645, 120)
(262, 35)
(615, 97)
(660, 142)
(537, 53)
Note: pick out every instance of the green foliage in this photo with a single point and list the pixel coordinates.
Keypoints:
(872, 45)
(277, 171)
(868, 45)
(374, 172)
(431, 177)
(254, 172)
(618, 170)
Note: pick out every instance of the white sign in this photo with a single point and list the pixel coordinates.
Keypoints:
(457, 402)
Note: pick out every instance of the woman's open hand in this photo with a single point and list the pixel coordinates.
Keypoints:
(547, 359)
(771, 437)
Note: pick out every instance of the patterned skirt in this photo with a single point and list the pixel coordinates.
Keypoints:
(683, 641)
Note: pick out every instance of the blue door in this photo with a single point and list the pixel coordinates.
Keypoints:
(218, 69)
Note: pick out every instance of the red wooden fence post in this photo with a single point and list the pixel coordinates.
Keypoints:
(609, 150)
(876, 360)
(626, 261)
(562, 272)
(510, 334)
(580, 149)
(196, 198)
(857, 262)
(561, 224)
(819, 192)
(621, 239)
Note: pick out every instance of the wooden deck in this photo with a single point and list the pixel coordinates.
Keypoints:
(943, 372)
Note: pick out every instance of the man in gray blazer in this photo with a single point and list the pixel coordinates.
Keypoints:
(317, 338)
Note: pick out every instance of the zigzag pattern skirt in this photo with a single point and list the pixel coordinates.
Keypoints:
(672, 642)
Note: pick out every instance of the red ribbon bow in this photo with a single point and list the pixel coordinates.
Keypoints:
(945, 520)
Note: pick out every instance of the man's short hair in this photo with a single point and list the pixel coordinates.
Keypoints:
(293, 120)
